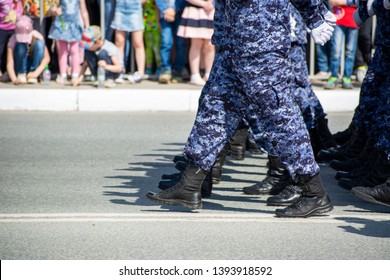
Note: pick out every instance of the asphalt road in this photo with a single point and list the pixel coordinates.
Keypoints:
(73, 186)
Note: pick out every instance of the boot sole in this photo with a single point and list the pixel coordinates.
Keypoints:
(368, 198)
(317, 211)
(175, 202)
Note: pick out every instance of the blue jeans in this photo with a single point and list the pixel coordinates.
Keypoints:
(351, 37)
(92, 59)
(168, 35)
(322, 57)
(25, 63)
(109, 9)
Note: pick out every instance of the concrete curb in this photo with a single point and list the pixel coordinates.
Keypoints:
(112, 100)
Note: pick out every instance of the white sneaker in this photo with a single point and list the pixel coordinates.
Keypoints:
(60, 79)
(32, 81)
(109, 83)
(135, 78)
(197, 80)
(361, 73)
(323, 76)
(22, 78)
(120, 79)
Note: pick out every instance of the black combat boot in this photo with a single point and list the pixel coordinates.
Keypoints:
(238, 142)
(350, 150)
(216, 170)
(343, 137)
(351, 164)
(181, 165)
(206, 189)
(276, 180)
(313, 201)
(379, 194)
(356, 173)
(320, 137)
(179, 158)
(251, 145)
(288, 196)
(171, 176)
(186, 192)
(377, 172)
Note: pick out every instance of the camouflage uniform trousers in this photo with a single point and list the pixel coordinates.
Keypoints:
(304, 95)
(381, 122)
(374, 95)
(258, 89)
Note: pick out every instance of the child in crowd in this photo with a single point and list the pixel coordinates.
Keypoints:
(27, 54)
(197, 24)
(10, 10)
(67, 29)
(152, 37)
(101, 53)
(345, 28)
(128, 17)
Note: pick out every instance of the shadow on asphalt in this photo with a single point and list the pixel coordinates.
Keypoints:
(366, 227)
(133, 189)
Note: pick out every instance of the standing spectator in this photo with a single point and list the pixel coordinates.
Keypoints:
(129, 18)
(152, 37)
(27, 54)
(67, 29)
(170, 17)
(345, 28)
(10, 11)
(197, 24)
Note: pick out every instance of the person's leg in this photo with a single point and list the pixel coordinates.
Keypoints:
(4, 38)
(194, 58)
(92, 59)
(322, 58)
(36, 59)
(20, 58)
(63, 53)
(335, 54)
(351, 39)
(208, 55)
(180, 47)
(120, 39)
(166, 45)
(103, 55)
(138, 44)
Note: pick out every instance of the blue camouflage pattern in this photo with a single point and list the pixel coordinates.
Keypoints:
(309, 104)
(372, 113)
(251, 78)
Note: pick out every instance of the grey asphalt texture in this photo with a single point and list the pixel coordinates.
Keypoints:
(73, 186)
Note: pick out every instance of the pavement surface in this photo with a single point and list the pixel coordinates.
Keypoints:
(73, 186)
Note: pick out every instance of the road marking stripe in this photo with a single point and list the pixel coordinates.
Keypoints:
(178, 217)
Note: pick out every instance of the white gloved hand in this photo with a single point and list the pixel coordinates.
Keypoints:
(370, 9)
(322, 33)
(330, 18)
(356, 18)
(386, 4)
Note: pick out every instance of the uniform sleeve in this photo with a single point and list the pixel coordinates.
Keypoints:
(310, 12)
